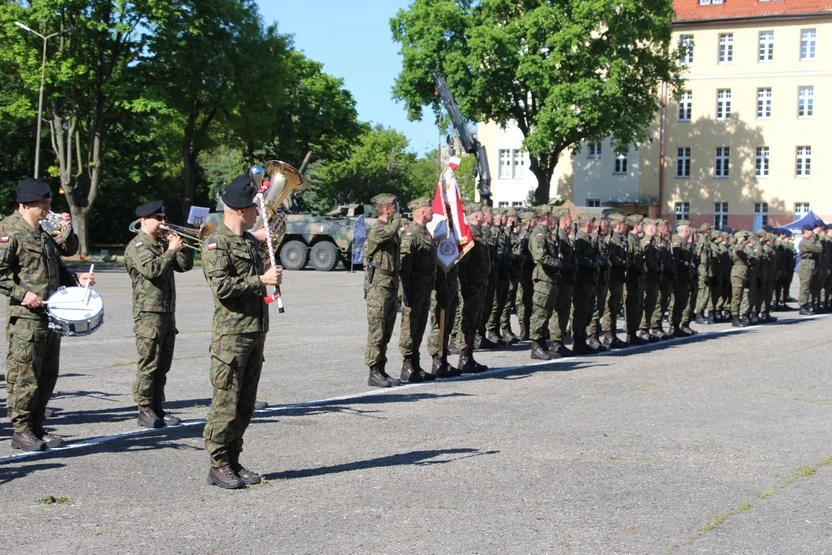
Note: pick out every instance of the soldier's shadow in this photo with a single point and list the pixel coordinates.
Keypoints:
(410, 458)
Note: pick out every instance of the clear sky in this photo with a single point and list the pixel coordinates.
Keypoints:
(353, 41)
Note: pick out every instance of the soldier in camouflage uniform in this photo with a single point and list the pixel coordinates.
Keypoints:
(753, 250)
(588, 265)
(515, 262)
(599, 297)
(150, 262)
(739, 280)
(783, 268)
(619, 260)
(636, 274)
(381, 285)
(525, 286)
(492, 218)
(564, 246)
(502, 233)
(681, 251)
(652, 263)
(811, 251)
(233, 266)
(768, 270)
(474, 270)
(718, 281)
(825, 272)
(31, 270)
(667, 278)
(703, 255)
(445, 296)
(547, 264)
(417, 273)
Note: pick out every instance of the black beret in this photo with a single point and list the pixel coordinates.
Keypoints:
(149, 208)
(240, 194)
(808, 227)
(32, 190)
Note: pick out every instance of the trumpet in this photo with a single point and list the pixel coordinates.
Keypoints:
(195, 235)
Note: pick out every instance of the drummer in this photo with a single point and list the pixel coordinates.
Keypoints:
(31, 269)
(151, 258)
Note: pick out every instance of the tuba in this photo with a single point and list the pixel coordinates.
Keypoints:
(55, 226)
(284, 179)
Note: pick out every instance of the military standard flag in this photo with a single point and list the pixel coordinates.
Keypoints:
(449, 224)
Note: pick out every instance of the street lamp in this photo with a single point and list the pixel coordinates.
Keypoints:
(42, 78)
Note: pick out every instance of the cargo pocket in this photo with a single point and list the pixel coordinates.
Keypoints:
(23, 345)
(222, 367)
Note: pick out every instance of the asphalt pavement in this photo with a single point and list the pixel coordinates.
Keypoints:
(718, 443)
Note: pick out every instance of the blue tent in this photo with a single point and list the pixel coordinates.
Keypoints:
(797, 226)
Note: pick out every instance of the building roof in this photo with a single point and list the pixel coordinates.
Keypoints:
(689, 11)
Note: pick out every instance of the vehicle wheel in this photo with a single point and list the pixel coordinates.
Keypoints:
(324, 256)
(294, 255)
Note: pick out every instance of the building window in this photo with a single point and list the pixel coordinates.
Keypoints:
(518, 163)
(761, 162)
(593, 202)
(721, 165)
(505, 164)
(594, 150)
(763, 103)
(686, 45)
(620, 163)
(683, 161)
(516, 204)
(682, 211)
(801, 209)
(761, 210)
(720, 215)
(723, 104)
(726, 47)
(807, 44)
(766, 46)
(805, 101)
(804, 161)
(685, 106)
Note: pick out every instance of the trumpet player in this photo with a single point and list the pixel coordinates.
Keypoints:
(151, 258)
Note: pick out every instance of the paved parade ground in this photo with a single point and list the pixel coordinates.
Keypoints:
(720, 443)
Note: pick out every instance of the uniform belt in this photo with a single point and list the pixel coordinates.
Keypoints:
(386, 273)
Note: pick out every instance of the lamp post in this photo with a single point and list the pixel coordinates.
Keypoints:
(42, 78)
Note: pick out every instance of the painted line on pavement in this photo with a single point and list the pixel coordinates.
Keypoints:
(389, 391)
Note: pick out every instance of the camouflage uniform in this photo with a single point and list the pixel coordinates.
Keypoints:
(151, 269)
(502, 260)
(635, 285)
(445, 296)
(490, 237)
(681, 291)
(525, 286)
(382, 252)
(545, 280)
(232, 265)
(618, 261)
(811, 251)
(585, 283)
(30, 260)
(599, 295)
(703, 255)
(667, 278)
(652, 262)
(566, 285)
(417, 272)
(515, 262)
(739, 278)
(474, 270)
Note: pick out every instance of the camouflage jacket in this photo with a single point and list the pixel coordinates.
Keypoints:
(585, 256)
(381, 250)
(619, 258)
(151, 269)
(475, 266)
(418, 260)
(810, 252)
(566, 247)
(665, 259)
(30, 260)
(637, 266)
(232, 264)
(651, 254)
(739, 259)
(682, 254)
(546, 259)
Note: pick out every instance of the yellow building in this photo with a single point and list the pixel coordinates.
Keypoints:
(743, 146)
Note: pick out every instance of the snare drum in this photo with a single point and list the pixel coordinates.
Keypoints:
(75, 311)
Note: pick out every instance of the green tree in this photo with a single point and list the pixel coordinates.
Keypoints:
(565, 71)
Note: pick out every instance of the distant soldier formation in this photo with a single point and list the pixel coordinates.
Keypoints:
(580, 275)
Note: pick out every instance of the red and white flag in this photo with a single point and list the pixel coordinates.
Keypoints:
(449, 224)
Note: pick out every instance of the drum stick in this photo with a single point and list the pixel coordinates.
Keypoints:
(87, 287)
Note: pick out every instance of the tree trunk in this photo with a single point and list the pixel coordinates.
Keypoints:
(541, 194)
(80, 217)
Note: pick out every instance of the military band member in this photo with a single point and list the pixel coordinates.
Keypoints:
(234, 268)
(31, 270)
(547, 264)
(417, 273)
(381, 271)
(151, 262)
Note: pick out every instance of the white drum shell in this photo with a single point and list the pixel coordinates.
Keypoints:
(75, 311)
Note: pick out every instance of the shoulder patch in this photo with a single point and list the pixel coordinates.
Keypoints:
(139, 245)
(212, 246)
(4, 239)
(409, 233)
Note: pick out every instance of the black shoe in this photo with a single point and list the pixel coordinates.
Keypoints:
(27, 441)
(687, 330)
(657, 335)
(679, 333)
(561, 350)
(616, 343)
(508, 337)
(440, 368)
(496, 339)
(168, 419)
(260, 405)
(50, 440)
(634, 340)
(249, 477)
(467, 365)
(579, 347)
(225, 478)
(701, 319)
(484, 343)
(407, 370)
(806, 311)
(149, 419)
(538, 353)
(595, 344)
(739, 323)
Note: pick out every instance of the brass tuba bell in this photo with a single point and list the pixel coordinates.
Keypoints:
(55, 226)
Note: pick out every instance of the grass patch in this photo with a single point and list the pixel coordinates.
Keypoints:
(52, 500)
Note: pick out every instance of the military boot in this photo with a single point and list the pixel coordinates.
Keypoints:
(561, 349)
(50, 440)
(250, 477)
(452, 348)
(616, 343)
(440, 367)
(168, 419)
(678, 333)
(467, 364)
(806, 311)
(524, 333)
(644, 335)
(27, 441)
(417, 368)
(484, 343)
(538, 353)
(633, 339)
(593, 342)
(580, 347)
(407, 371)
(605, 339)
(492, 336)
(754, 319)
(509, 337)
(657, 334)
(738, 323)
(149, 419)
(700, 319)
(225, 478)
(378, 378)
(687, 329)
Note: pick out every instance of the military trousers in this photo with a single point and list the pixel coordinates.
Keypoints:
(487, 303)
(599, 305)
(748, 303)
(717, 294)
(436, 309)
(739, 296)
(805, 272)
(634, 302)
(498, 305)
(609, 323)
(472, 301)
(543, 304)
(155, 338)
(582, 295)
(562, 308)
(512, 300)
(693, 295)
(665, 294)
(414, 322)
(525, 294)
(236, 364)
(382, 307)
(680, 303)
(31, 371)
(651, 298)
(703, 298)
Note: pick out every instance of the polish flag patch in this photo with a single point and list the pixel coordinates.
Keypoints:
(4, 239)
(139, 245)
(212, 247)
